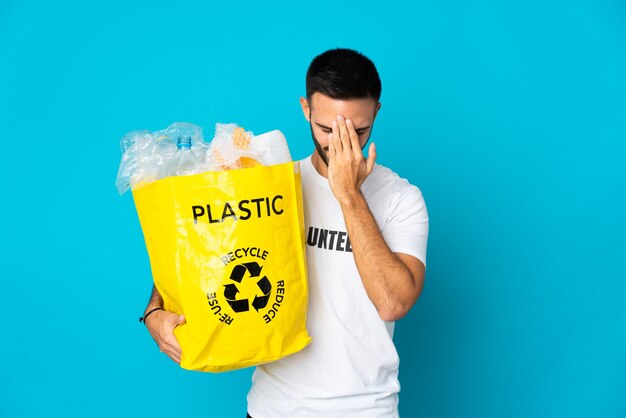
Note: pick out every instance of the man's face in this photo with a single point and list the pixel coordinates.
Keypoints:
(321, 110)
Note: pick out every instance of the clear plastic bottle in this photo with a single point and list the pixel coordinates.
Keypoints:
(184, 161)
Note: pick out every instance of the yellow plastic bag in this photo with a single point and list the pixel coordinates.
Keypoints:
(227, 251)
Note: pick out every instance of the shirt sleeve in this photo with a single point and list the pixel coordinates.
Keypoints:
(406, 227)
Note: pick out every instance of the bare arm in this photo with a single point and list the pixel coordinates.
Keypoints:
(393, 281)
(161, 326)
(156, 301)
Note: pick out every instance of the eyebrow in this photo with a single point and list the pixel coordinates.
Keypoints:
(330, 129)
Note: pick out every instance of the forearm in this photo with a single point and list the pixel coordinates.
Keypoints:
(387, 281)
(156, 301)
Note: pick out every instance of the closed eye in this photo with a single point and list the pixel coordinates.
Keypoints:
(359, 132)
(328, 130)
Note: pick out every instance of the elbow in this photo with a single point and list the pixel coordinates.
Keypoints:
(394, 312)
(389, 316)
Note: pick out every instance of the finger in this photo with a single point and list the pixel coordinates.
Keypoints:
(371, 158)
(332, 150)
(171, 343)
(176, 347)
(172, 351)
(336, 137)
(343, 133)
(173, 321)
(354, 139)
(175, 353)
(176, 319)
(179, 320)
(173, 356)
(176, 356)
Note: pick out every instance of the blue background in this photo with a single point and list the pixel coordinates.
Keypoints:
(510, 116)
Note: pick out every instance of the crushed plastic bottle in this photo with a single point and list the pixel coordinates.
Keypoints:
(184, 162)
(181, 150)
(146, 155)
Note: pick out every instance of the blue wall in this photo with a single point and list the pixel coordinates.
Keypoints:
(510, 116)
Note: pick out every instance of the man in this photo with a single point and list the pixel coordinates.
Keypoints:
(366, 249)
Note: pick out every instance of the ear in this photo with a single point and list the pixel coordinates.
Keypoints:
(377, 109)
(305, 108)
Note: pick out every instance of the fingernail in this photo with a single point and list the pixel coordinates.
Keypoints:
(334, 123)
(340, 117)
(348, 122)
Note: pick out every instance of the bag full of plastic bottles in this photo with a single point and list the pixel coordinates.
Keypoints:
(223, 226)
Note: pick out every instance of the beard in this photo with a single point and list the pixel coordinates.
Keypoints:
(323, 154)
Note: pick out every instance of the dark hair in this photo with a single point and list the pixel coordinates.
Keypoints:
(343, 74)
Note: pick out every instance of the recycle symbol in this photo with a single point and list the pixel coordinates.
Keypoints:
(237, 275)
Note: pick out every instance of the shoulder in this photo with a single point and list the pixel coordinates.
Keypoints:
(397, 192)
(385, 181)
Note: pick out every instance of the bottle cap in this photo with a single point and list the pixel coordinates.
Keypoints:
(183, 142)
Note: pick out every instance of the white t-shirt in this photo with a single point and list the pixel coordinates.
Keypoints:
(350, 368)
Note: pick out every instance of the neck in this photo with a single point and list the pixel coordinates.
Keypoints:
(319, 165)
